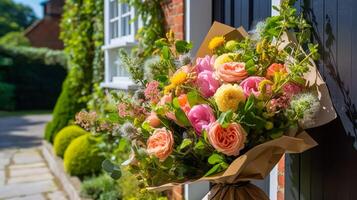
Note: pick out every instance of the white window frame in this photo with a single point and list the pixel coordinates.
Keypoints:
(112, 77)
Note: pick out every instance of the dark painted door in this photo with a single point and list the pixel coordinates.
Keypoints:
(329, 171)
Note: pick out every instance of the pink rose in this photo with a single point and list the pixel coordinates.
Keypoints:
(250, 85)
(228, 140)
(205, 63)
(201, 116)
(232, 72)
(207, 84)
(160, 143)
(153, 120)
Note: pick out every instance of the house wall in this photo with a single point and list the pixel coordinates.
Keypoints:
(174, 16)
(45, 33)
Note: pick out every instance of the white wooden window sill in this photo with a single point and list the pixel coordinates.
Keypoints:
(119, 45)
(124, 84)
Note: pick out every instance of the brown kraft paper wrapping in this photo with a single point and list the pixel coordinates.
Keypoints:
(256, 164)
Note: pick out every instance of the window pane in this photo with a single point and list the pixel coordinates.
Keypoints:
(125, 26)
(113, 9)
(114, 29)
(125, 8)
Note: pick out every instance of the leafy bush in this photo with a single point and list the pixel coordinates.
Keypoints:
(7, 94)
(14, 39)
(35, 76)
(100, 188)
(65, 137)
(82, 156)
(82, 34)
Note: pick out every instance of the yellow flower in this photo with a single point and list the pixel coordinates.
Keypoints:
(168, 88)
(216, 42)
(224, 58)
(178, 78)
(228, 97)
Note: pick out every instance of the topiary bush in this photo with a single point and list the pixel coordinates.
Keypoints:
(100, 188)
(65, 137)
(82, 156)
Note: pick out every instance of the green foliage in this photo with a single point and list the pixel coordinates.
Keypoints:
(65, 137)
(82, 156)
(100, 188)
(82, 34)
(152, 17)
(7, 95)
(14, 16)
(33, 73)
(14, 39)
(134, 65)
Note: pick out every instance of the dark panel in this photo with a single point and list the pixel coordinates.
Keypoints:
(329, 171)
(246, 13)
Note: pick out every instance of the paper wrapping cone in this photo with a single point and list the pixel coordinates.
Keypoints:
(257, 163)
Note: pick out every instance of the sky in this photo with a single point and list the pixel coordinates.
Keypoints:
(34, 4)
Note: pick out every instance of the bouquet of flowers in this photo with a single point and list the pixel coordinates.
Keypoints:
(230, 114)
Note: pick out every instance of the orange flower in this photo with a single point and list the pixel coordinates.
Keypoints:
(160, 144)
(228, 140)
(273, 68)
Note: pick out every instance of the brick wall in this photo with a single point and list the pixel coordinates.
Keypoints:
(45, 33)
(174, 16)
(281, 178)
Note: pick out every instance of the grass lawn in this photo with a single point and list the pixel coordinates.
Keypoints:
(24, 112)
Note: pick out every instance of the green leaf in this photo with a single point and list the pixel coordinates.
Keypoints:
(249, 103)
(175, 103)
(185, 143)
(225, 118)
(216, 168)
(215, 158)
(181, 117)
(122, 144)
(199, 145)
(146, 126)
(182, 46)
(165, 52)
(113, 170)
(194, 98)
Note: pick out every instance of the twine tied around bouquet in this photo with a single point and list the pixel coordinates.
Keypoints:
(243, 190)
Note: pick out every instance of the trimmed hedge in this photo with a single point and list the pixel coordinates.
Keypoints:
(65, 137)
(82, 156)
(30, 78)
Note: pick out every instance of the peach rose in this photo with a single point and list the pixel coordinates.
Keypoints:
(153, 120)
(160, 143)
(275, 67)
(228, 140)
(232, 72)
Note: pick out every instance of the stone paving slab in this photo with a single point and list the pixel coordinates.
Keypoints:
(22, 189)
(31, 178)
(24, 172)
(26, 176)
(31, 197)
(25, 166)
(28, 172)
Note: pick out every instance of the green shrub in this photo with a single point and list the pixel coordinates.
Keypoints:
(14, 39)
(82, 156)
(36, 75)
(82, 34)
(65, 137)
(100, 188)
(7, 95)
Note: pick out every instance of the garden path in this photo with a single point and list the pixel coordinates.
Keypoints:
(24, 173)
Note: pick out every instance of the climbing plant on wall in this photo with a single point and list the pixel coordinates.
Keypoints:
(82, 34)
